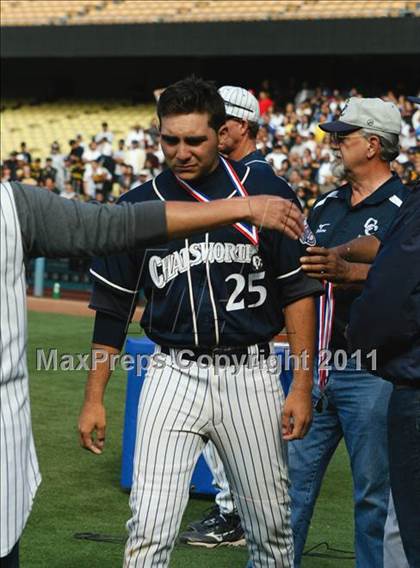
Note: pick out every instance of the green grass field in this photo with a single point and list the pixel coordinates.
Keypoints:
(80, 492)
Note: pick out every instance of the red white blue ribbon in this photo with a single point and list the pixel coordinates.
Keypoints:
(325, 324)
(249, 231)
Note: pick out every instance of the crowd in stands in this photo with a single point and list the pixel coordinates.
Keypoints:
(289, 136)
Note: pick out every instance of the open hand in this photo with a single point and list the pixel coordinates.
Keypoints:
(274, 212)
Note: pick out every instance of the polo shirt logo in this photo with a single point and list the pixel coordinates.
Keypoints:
(371, 226)
(321, 228)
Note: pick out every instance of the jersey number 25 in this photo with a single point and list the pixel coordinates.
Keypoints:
(234, 302)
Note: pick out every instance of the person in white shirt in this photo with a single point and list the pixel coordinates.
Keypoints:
(276, 157)
(135, 135)
(92, 153)
(119, 157)
(310, 143)
(135, 157)
(105, 133)
(105, 147)
(68, 192)
(303, 127)
(94, 178)
(324, 171)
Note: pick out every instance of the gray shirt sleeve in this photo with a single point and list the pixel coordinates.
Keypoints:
(55, 227)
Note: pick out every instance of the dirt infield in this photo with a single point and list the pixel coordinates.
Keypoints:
(67, 307)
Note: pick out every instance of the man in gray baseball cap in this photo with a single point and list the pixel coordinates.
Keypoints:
(374, 114)
(351, 402)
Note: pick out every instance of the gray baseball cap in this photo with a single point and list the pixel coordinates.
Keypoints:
(240, 103)
(373, 114)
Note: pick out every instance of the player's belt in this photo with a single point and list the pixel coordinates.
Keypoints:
(222, 356)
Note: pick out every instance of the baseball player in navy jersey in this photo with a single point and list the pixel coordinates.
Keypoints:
(214, 301)
(221, 525)
(35, 222)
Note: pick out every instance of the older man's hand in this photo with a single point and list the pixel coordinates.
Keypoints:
(326, 264)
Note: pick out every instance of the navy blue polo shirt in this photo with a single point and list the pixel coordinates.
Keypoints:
(335, 221)
(386, 317)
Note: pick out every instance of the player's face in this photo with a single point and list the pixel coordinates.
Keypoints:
(230, 136)
(189, 145)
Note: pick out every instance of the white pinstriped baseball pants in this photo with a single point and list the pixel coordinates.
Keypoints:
(182, 408)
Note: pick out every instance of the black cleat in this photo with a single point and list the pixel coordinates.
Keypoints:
(214, 530)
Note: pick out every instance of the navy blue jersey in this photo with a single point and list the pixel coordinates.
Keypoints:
(335, 221)
(209, 289)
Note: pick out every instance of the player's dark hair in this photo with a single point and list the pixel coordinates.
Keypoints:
(193, 95)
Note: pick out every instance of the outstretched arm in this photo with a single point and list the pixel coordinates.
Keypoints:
(271, 212)
(56, 227)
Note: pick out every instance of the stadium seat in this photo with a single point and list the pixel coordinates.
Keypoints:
(39, 125)
(68, 12)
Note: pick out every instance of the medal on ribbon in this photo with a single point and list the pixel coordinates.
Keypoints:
(249, 231)
(308, 238)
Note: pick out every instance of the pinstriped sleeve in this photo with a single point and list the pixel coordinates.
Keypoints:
(55, 227)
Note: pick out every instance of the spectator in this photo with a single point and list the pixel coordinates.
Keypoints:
(69, 192)
(105, 147)
(105, 133)
(36, 169)
(50, 185)
(49, 171)
(127, 180)
(94, 179)
(11, 163)
(79, 140)
(135, 135)
(266, 104)
(76, 169)
(153, 131)
(21, 161)
(75, 149)
(298, 146)
(91, 153)
(27, 175)
(119, 157)
(24, 151)
(135, 157)
(144, 176)
(6, 174)
(324, 171)
(276, 157)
